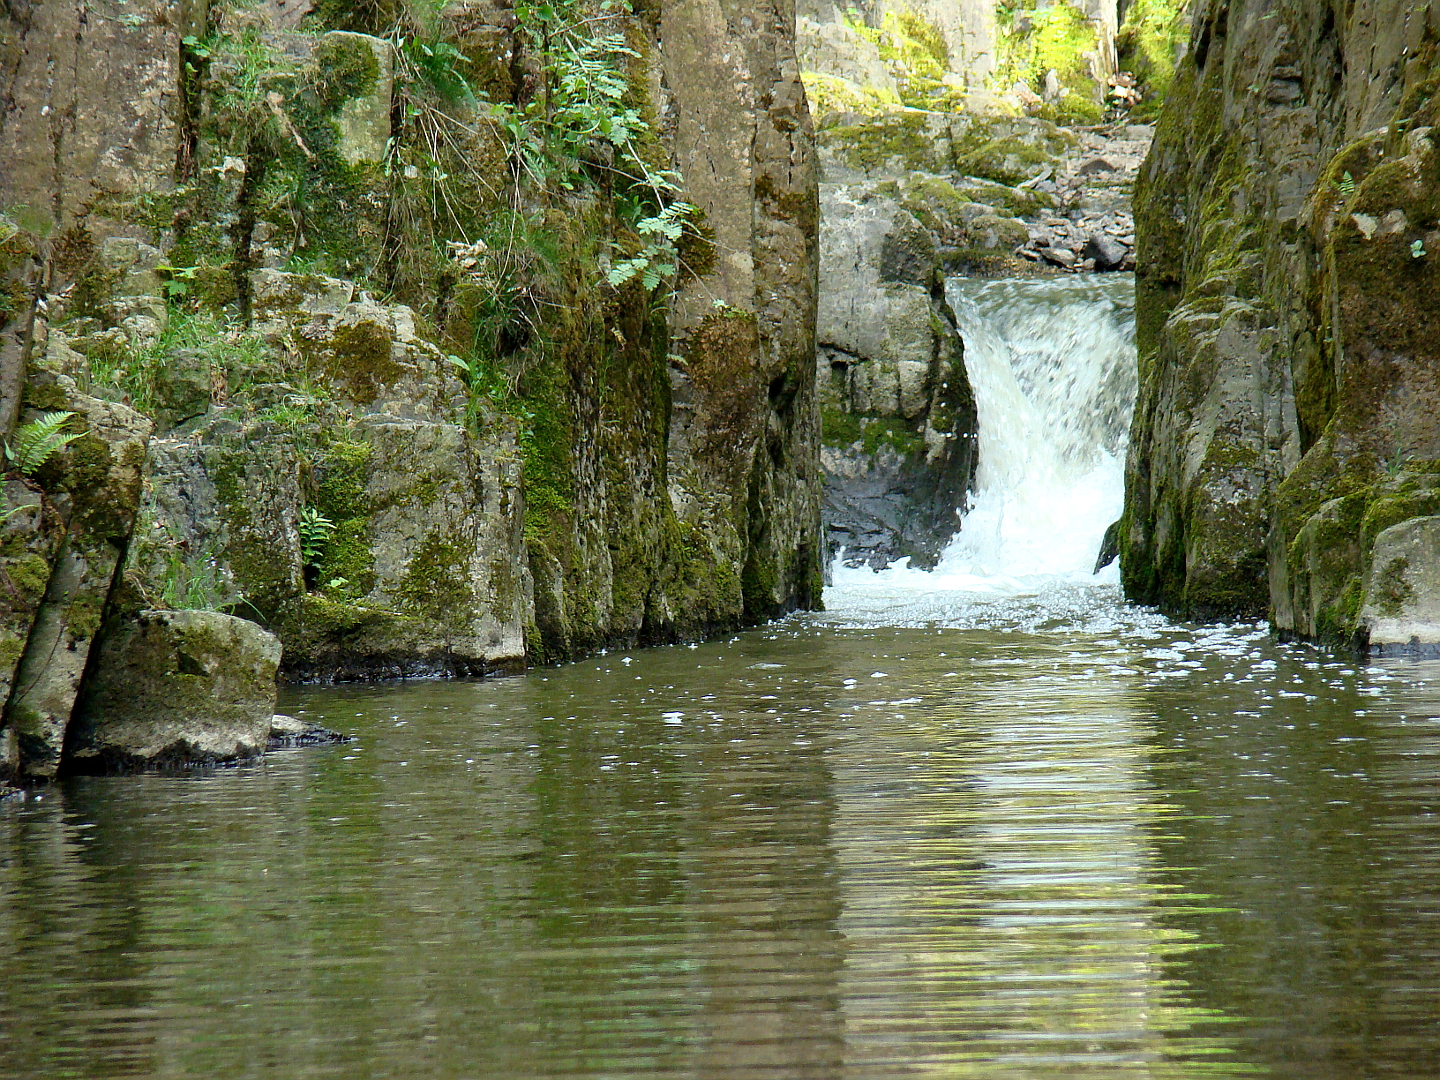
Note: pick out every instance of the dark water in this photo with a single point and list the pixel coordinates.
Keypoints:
(1030, 837)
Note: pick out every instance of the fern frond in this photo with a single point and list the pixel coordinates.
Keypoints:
(38, 441)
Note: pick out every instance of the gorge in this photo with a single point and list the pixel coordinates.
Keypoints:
(560, 539)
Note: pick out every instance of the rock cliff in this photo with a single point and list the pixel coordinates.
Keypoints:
(378, 326)
(1285, 449)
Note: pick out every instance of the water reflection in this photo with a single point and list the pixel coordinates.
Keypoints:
(975, 846)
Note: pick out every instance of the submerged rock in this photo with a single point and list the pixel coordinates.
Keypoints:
(176, 688)
(289, 732)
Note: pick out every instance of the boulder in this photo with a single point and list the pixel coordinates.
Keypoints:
(176, 688)
(1108, 252)
(1401, 614)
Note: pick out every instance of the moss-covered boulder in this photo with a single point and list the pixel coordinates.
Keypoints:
(175, 688)
(374, 520)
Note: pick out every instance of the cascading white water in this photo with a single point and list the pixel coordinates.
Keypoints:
(1052, 362)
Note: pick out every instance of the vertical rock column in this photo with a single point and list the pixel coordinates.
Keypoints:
(746, 427)
(96, 498)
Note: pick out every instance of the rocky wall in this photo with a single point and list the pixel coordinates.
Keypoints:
(1286, 436)
(508, 460)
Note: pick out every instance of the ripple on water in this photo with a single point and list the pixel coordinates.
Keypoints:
(1059, 837)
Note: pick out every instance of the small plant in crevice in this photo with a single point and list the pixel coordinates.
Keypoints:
(38, 441)
(315, 531)
(1417, 249)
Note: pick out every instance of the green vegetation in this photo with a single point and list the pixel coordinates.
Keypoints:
(38, 441)
(1036, 38)
(1147, 45)
(912, 46)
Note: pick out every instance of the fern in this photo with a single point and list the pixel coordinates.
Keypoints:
(315, 531)
(1345, 185)
(38, 441)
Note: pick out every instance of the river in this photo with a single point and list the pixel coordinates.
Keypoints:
(990, 822)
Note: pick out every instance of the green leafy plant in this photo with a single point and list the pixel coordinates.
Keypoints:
(38, 441)
(1417, 249)
(440, 65)
(583, 129)
(1345, 185)
(179, 281)
(315, 531)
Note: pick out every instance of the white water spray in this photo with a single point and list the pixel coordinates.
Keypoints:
(1052, 362)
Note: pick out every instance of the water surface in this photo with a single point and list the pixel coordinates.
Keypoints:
(924, 834)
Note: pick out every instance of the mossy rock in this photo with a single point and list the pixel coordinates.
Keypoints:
(1007, 160)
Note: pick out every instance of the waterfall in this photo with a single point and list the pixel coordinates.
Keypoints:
(1052, 362)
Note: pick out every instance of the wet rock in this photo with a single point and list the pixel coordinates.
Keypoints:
(1109, 547)
(1059, 256)
(176, 688)
(290, 732)
(1107, 252)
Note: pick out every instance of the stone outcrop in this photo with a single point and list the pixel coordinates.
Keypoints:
(176, 688)
(900, 419)
(94, 487)
(1285, 435)
(975, 56)
(519, 456)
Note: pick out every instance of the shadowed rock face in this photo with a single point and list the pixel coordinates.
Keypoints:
(1287, 291)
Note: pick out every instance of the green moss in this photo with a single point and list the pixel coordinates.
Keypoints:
(1048, 37)
(82, 617)
(45, 397)
(1018, 202)
(1391, 588)
(29, 574)
(829, 94)
(757, 588)
(913, 47)
(1006, 160)
(1146, 46)
(436, 584)
(12, 646)
(1336, 622)
(900, 435)
(839, 428)
(882, 139)
(345, 68)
